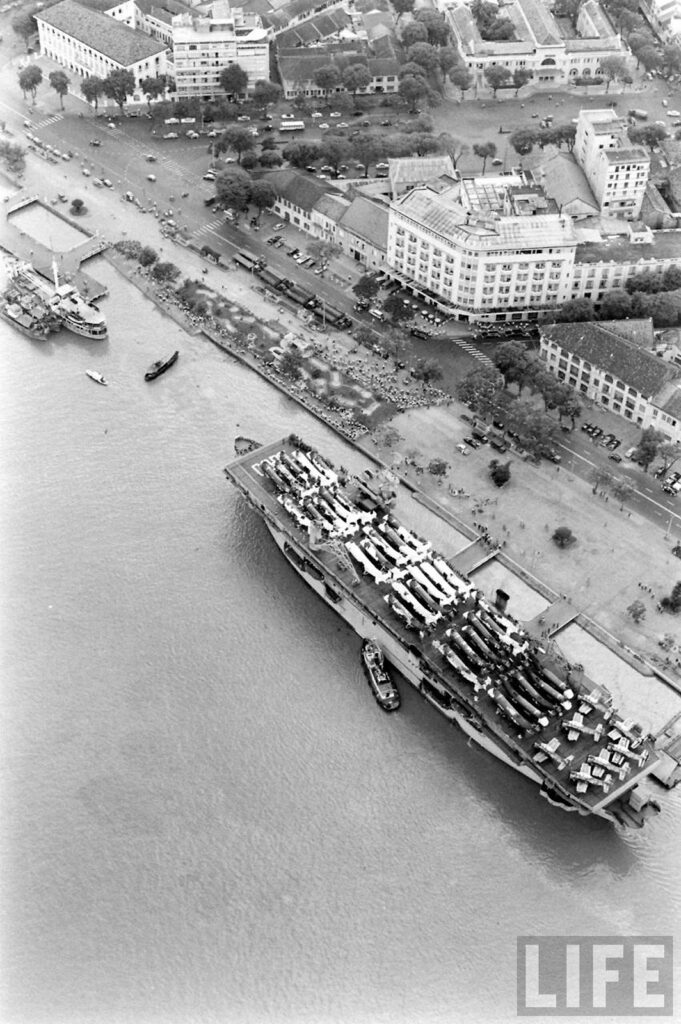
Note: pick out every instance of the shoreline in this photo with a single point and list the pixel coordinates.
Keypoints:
(315, 407)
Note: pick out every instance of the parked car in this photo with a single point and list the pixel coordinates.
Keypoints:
(419, 332)
(472, 442)
(245, 117)
(95, 142)
(615, 457)
(171, 135)
(462, 448)
(209, 176)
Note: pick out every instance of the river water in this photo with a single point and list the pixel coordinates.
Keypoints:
(206, 817)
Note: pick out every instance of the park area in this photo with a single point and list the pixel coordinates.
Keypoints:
(617, 559)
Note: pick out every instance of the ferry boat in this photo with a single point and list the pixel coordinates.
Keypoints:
(468, 657)
(382, 686)
(74, 312)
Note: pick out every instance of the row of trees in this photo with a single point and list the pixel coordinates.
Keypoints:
(31, 77)
(663, 307)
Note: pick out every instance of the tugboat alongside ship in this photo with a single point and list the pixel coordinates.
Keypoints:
(467, 656)
(382, 686)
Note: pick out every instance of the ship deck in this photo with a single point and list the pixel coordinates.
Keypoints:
(371, 595)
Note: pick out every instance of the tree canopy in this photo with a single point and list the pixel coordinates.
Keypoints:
(233, 80)
(60, 82)
(29, 80)
(92, 89)
(118, 85)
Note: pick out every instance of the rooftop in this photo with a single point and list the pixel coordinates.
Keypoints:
(421, 168)
(540, 21)
(617, 249)
(121, 44)
(298, 188)
(629, 155)
(442, 212)
(367, 219)
(565, 181)
(612, 349)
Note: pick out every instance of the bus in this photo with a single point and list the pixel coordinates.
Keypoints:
(269, 277)
(248, 260)
(292, 126)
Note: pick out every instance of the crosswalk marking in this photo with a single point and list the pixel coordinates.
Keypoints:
(53, 119)
(211, 226)
(473, 351)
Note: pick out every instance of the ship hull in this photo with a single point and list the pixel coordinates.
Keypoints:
(407, 664)
(84, 332)
(471, 660)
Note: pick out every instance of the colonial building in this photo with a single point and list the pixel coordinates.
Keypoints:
(88, 42)
(362, 232)
(311, 205)
(616, 170)
(608, 263)
(486, 249)
(297, 68)
(614, 363)
(205, 44)
(539, 43)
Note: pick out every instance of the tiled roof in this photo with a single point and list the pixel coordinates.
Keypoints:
(101, 5)
(332, 207)
(605, 346)
(368, 220)
(621, 250)
(601, 23)
(121, 44)
(319, 27)
(541, 22)
(298, 188)
(162, 10)
(420, 168)
(564, 180)
(670, 399)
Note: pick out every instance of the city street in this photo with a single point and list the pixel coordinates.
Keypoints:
(178, 168)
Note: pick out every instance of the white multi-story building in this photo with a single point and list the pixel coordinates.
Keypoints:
(614, 363)
(539, 43)
(91, 43)
(616, 170)
(487, 249)
(205, 44)
(606, 264)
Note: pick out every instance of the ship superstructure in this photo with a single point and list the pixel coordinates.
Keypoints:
(63, 300)
(470, 658)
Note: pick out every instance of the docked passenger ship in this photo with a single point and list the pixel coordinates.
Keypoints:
(467, 656)
(74, 312)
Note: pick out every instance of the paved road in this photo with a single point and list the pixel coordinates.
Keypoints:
(179, 167)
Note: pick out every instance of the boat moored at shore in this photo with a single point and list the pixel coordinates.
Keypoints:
(476, 664)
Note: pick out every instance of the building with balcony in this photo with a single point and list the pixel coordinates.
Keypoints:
(614, 363)
(205, 43)
(483, 249)
(616, 170)
(88, 42)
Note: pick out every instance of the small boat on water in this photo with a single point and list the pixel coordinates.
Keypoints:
(97, 377)
(384, 690)
(244, 445)
(160, 366)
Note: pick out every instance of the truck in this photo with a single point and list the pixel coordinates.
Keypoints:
(639, 115)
